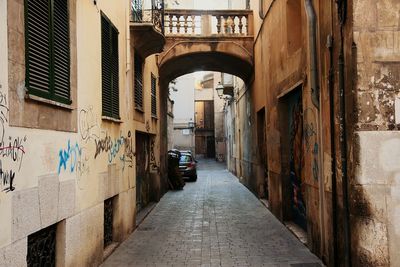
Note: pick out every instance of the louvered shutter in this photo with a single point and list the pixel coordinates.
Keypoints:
(61, 54)
(106, 67)
(115, 73)
(38, 47)
(153, 96)
(138, 65)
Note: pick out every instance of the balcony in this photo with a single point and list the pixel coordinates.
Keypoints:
(147, 26)
(209, 23)
(212, 40)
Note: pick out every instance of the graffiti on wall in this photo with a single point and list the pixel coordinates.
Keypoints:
(12, 149)
(7, 179)
(152, 159)
(115, 147)
(296, 157)
(69, 157)
(88, 125)
(310, 140)
(128, 154)
(93, 142)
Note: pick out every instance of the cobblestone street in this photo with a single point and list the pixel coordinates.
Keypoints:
(215, 221)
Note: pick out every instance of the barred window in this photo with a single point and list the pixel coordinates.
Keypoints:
(48, 49)
(109, 68)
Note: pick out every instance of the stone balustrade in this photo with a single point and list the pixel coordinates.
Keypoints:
(180, 22)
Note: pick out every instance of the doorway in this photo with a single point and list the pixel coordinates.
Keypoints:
(262, 146)
(142, 170)
(210, 147)
(293, 185)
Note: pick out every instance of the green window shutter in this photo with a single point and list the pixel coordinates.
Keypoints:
(115, 73)
(61, 53)
(138, 86)
(106, 67)
(47, 49)
(109, 69)
(153, 96)
(37, 15)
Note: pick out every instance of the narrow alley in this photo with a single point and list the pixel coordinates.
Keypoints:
(291, 109)
(215, 221)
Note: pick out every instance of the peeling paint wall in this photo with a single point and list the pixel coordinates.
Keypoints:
(375, 188)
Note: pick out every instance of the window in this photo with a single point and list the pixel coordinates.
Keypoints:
(109, 68)
(138, 86)
(153, 96)
(47, 49)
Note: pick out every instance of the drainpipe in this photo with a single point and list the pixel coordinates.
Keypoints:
(342, 16)
(314, 80)
(331, 86)
(312, 40)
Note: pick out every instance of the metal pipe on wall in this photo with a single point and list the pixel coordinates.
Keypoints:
(312, 40)
(342, 12)
(315, 98)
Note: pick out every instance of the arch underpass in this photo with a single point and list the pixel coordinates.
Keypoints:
(207, 40)
(221, 56)
(203, 40)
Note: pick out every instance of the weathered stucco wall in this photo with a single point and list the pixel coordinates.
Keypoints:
(282, 71)
(62, 173)
(376, 186)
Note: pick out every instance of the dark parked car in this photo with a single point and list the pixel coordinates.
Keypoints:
(187, 166)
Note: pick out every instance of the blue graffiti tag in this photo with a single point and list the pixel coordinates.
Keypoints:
(115, 148)
(69, 156)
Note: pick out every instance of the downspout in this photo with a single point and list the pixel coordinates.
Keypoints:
(342, 11)
(333, 142)
(312, 40)
(315, 98)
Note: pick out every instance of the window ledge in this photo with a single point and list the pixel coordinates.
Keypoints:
(49, 102)
(139, 109)
(106, 118)
(154, 117)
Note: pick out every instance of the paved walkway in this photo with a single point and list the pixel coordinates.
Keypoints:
(215, 221)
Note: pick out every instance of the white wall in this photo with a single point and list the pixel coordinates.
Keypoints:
(184, 99)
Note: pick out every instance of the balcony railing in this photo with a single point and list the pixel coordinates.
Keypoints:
(208, 22)
(148, 11)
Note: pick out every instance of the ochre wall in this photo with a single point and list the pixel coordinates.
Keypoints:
(62, 172)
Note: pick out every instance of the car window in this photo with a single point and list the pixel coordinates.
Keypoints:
(185, 158)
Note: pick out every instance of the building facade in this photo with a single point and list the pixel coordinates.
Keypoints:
(315, 129)
(80, 157)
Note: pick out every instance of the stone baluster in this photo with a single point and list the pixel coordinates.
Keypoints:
(240, 24)
(171, 23)
(247, 26)
(219, 24)
(178, 24)
(185, 24)
(226, 24)
(233, 24)
(193, 24)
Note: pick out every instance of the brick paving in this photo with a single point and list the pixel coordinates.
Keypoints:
(215, 221)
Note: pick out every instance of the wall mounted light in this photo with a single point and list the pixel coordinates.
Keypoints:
(220, 90)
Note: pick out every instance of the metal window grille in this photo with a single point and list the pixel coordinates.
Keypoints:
(108, 222)
(42, 247)
(141, 11)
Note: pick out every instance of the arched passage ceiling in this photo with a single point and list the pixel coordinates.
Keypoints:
(184, 57)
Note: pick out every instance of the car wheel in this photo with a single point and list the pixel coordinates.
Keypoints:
(194, 178)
